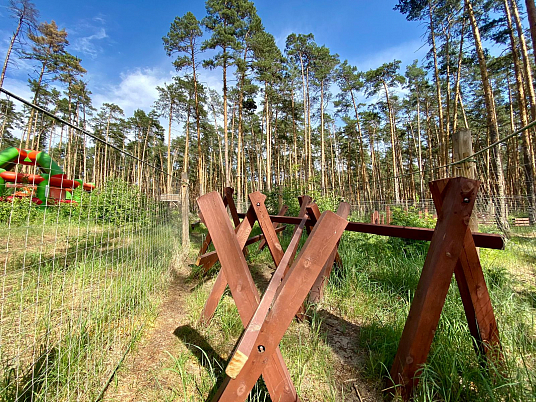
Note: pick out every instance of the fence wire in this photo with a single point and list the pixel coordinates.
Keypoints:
(87, 248)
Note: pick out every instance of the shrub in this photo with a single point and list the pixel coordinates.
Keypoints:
(118, 202)
(18, 212)
(411, 218)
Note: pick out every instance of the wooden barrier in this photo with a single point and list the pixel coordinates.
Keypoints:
(452, 252)
(265, 320)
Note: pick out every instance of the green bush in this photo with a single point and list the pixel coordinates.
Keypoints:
(118, 202)
(18, 212)
(410, 218)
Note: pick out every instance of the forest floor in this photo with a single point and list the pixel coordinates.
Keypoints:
(346, 346)
(180, 360)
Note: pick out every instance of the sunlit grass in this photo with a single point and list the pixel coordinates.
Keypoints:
(73, 307)
(371, 296)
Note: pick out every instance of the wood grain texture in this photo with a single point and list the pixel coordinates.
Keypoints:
(294, 289)
(282, 212)
(242, 288)
(263, 217)
(445, 248)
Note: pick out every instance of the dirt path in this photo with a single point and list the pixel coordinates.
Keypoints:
(144, 375)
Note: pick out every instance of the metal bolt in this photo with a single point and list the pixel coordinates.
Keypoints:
(261, 348)
(258, 204)
(466, 200)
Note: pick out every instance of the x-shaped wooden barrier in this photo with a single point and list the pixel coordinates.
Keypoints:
(265, 320)
(256, 212)
(452, 251)
(207, 261)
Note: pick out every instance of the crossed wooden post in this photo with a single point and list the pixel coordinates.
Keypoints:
(207, 260)
(452, 251)
(265, 320)
(256, 212)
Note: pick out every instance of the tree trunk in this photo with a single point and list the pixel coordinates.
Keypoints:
(9, 49)
(225, 135)
(322, 151)
(268, 142)
(442, 139)
(392, 127)
(531, 14)
(497, 166)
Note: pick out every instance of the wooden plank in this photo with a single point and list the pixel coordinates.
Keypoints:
(213, 299)
(314, 214)
(317, 291)
(282, 211)
(474, 291)
(208, 240)
(212, 255)
(243, 289)
(263, 217)
(294, 289)
(246, 343)
(485, 240)
(303, 200)
(242, 234)
(445, 249)
(228, 195)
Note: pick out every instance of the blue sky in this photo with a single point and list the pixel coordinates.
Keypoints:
(120, 42)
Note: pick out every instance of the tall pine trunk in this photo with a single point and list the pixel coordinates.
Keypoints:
(501, 213)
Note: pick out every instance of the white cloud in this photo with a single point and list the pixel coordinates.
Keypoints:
(136, 90)
(406, 52)
(88, 45)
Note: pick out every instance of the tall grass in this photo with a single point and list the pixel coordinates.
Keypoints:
(79, 284)
(376, 287)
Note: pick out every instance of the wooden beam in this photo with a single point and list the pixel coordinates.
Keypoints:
(481, 239)
(245, 345)
(317, 291)
(294, 289)
(212, 257)
(263, 217)
(282, 211)
(445, 249)
(243, 289)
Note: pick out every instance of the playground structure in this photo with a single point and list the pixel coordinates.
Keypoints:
(51, 186)
(297, 280)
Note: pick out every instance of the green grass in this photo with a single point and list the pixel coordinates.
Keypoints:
(75, 297)
(371, 296)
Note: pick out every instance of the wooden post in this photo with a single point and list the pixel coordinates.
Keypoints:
(462, 147)
(185, 205)
(452, 250)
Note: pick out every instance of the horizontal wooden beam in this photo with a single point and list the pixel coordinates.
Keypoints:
(481, 239)
(202, 259)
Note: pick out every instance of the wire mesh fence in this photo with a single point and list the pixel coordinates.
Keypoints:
(88, 243)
